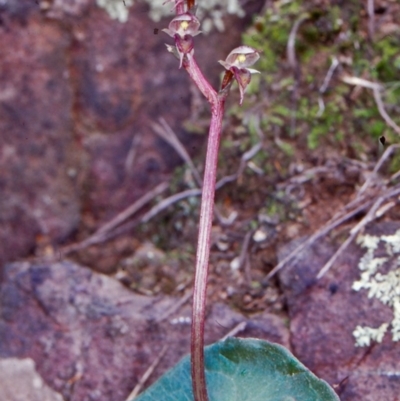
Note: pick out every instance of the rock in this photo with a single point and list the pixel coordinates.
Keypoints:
(325, 313)
(37, 189)
(91, 338)
(19, 381)
(78, 94)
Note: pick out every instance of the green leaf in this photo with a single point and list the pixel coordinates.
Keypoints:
(244, 369)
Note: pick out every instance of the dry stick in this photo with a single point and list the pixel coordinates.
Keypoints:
(376, 88)
(370, 216)
(291, 57)
(377, 167)
(146, 375)
(325, 84)
(154, 211)
(336, 220)
(237, 329)
(169, 136)
(167, 202)
(371, 18)
(175, 307)
(333, 223)
(382, 111)
(117, 220)
(290, 50)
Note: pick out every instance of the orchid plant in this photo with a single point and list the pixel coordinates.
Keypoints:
(257, 369)
(183, 28)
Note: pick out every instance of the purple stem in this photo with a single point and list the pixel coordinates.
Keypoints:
(203, 252)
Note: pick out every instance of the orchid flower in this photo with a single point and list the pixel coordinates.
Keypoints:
(183, 28)
(237, 64)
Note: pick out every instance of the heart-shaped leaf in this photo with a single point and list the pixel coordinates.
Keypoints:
(244, 369)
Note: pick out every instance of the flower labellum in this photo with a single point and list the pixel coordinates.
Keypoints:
(237, 63)
(184, 46)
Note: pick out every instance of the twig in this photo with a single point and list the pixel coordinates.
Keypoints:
(376, 89)
(244, 159)
(377, 167)
(237, 329)
(165, 203)
(325, 84)
(290, 48)
(117, 220)
(154, 211)
(146, 375)
(371, 18)
(333, 223)
(175, 307)
(370, 216)
(382, 111)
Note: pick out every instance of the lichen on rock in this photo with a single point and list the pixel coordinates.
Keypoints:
(210, 12)
(381, 277)
(116, 9)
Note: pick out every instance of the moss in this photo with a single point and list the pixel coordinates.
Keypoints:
(328, 32)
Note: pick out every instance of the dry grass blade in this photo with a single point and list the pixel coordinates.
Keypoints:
(146, 375)
(101, 233)
(165, 132)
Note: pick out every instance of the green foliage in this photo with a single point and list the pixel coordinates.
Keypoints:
(292, 104)
(244, 369)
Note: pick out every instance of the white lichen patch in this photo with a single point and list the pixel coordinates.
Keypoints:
(116, 9)
(210, 12)
(364, 335)
(380, 285)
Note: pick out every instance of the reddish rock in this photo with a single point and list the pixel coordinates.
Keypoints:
(37, 191)
(91, 338)
(324, 314)
(78, 93)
